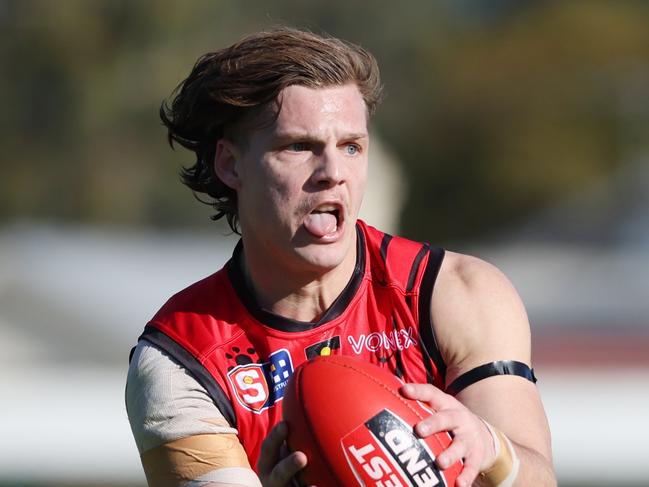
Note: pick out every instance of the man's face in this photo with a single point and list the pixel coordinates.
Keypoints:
(301, 179)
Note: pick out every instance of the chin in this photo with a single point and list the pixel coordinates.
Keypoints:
(328, 256)
(321, 257)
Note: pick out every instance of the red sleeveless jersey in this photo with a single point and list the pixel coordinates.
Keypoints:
(244, 355)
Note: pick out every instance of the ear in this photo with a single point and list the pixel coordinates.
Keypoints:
(225, 163)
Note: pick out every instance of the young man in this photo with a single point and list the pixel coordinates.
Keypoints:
(278, 123)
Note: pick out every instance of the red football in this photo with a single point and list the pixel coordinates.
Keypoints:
(356, 429)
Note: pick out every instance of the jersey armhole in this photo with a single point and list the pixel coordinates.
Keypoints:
(500, 367)
(426, 331)
(195, 368)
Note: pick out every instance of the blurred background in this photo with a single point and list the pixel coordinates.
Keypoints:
(512, 130)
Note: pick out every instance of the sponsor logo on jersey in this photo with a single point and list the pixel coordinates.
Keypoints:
(385, 451)
(325, 347)
(392, 340)
(259, 386)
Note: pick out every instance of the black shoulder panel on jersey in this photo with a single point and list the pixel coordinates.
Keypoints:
(385, 242)
(414, 269)
(195, 368)
(426, 332)
(501, 367)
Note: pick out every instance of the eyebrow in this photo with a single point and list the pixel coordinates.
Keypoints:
(355, 136)
(310, 138)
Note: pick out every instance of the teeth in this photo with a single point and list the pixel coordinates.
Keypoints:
(325, 208)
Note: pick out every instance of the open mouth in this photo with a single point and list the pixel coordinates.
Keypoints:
(323, 220)
(335, 212)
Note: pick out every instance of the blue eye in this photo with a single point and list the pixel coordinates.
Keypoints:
(352, 149)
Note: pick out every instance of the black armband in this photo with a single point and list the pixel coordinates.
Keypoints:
(501, 367)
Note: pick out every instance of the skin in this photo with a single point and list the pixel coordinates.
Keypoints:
(494, 327)
(315, 154)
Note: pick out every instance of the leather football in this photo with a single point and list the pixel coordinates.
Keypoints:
(356, 429)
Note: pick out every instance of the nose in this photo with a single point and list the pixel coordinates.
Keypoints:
(329, 170)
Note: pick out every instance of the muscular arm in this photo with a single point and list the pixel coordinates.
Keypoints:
(479, 318)
(183, 439)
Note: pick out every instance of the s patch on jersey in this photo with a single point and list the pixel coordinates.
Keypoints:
(385, 451)
(324, 347)
(259, 386)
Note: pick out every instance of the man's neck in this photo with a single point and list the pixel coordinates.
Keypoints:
(297, 294)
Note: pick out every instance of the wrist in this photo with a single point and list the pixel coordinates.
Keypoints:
(504, 469)
(495, 447)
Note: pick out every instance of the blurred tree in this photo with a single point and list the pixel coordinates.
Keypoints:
(525, 109)
(493, 112)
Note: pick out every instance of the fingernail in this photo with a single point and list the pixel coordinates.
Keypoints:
(423, 429)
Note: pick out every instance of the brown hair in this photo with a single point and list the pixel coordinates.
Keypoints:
(236, 83)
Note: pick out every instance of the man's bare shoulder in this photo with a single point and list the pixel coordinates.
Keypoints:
(477, 314)
(467, 284)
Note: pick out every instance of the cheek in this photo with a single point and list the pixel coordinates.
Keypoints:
(278, 191)
(285, 184)
(360, 179)
(261, 183)
(362, 176)
(278, 194)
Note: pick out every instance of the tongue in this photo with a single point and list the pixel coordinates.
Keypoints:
(320, 224)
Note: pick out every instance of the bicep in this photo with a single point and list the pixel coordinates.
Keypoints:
(480, 319)
(182, 437)
(477, 316)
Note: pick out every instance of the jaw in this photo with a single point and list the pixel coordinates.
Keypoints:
(328, 251)
(285, 245)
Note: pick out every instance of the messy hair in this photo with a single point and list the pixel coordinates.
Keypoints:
(234, 84)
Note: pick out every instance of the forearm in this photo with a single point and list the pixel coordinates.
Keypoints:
(528, 467)
(534, 469)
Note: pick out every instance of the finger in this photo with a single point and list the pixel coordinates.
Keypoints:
(470, 468)
(456, 451)
(270, 448)
(440, 421)
(287, 468)
(430, 394)
(469, 473)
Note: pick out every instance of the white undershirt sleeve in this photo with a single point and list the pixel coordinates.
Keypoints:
(165, 402)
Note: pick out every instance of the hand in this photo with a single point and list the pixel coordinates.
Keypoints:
(472, 440)
(276, 466)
